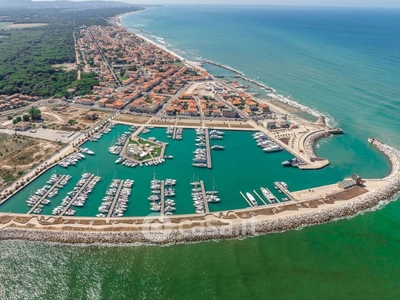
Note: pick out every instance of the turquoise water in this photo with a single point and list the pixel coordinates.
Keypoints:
(344, 63)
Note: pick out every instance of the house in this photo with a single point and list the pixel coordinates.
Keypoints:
(22, 126)
(91, 115)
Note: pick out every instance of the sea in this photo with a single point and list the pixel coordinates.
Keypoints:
(341, 62)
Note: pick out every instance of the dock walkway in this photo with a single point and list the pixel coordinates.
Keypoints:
(162, 198)
(284, 190)
(203, 191)
(77, 194)
(209, 161)
(45, 195)
(115, 199)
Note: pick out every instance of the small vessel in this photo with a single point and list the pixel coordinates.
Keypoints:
(273, 148)
(87, 151)
(168, 156)
(120, 159)
(199, 165)
(217, 147)
(216, 137)
(251, 199)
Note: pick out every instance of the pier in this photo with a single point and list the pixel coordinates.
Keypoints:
(284, 190)
(77, 194)
(115, 199)
(203, 191)
(45, 195)
(265, 203)
(162, 198)
(174, 133)
(244, 197)
(138, 131)
(208, 149)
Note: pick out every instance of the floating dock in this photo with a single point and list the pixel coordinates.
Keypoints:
(76, 195)
(45, 195)
(162, 198)
(208, 149)
(203, 191)
(174, 133)
(110, 211)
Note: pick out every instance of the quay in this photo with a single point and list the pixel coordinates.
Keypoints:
(244, 197)
(285, 191)
(77, 195)
(115, 199)
(208, 149)
(203, 191)
(162, 212)
(260, 197)
(45, 195)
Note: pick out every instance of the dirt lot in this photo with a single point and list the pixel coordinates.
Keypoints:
(58, 117)
(132, 118)
(18, 153)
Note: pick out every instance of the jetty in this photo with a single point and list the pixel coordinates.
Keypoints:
(203, 192)
(162, 212)
(208, 149)
(223, 67)
(46, 194)
(77, 195)
(284, 190)
(115, 199)
(262, 200)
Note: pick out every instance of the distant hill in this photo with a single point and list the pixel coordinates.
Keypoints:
(60, 4)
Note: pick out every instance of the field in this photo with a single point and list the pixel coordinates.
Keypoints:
(19, 153)
(21, 26)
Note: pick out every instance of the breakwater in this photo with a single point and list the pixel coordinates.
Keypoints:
(259, 84)
(223, 67)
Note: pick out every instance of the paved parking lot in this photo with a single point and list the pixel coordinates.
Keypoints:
(46, 134)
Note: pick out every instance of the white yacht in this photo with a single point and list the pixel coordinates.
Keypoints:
(252, 199)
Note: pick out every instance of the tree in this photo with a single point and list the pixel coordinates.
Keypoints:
(35, 113)
(132, 68)
(17, 119)
(26, 118)
(71, 122)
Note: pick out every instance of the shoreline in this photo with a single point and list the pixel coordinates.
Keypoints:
(222, 225)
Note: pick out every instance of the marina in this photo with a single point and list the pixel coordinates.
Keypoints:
(253, 162)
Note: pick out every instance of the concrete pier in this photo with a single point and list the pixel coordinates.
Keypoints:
(208, 149)
(162, 212)
(203, 191)
(284, 190)
(77, 194)
(115, 199)
(45, 195)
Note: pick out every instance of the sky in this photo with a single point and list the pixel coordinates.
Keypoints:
(337, 3)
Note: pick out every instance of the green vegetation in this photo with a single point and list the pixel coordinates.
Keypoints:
(35, 113)
(17, 119)
(85, 84)
(27, 54)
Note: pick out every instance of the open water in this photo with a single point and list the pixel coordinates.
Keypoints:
(342, 62)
